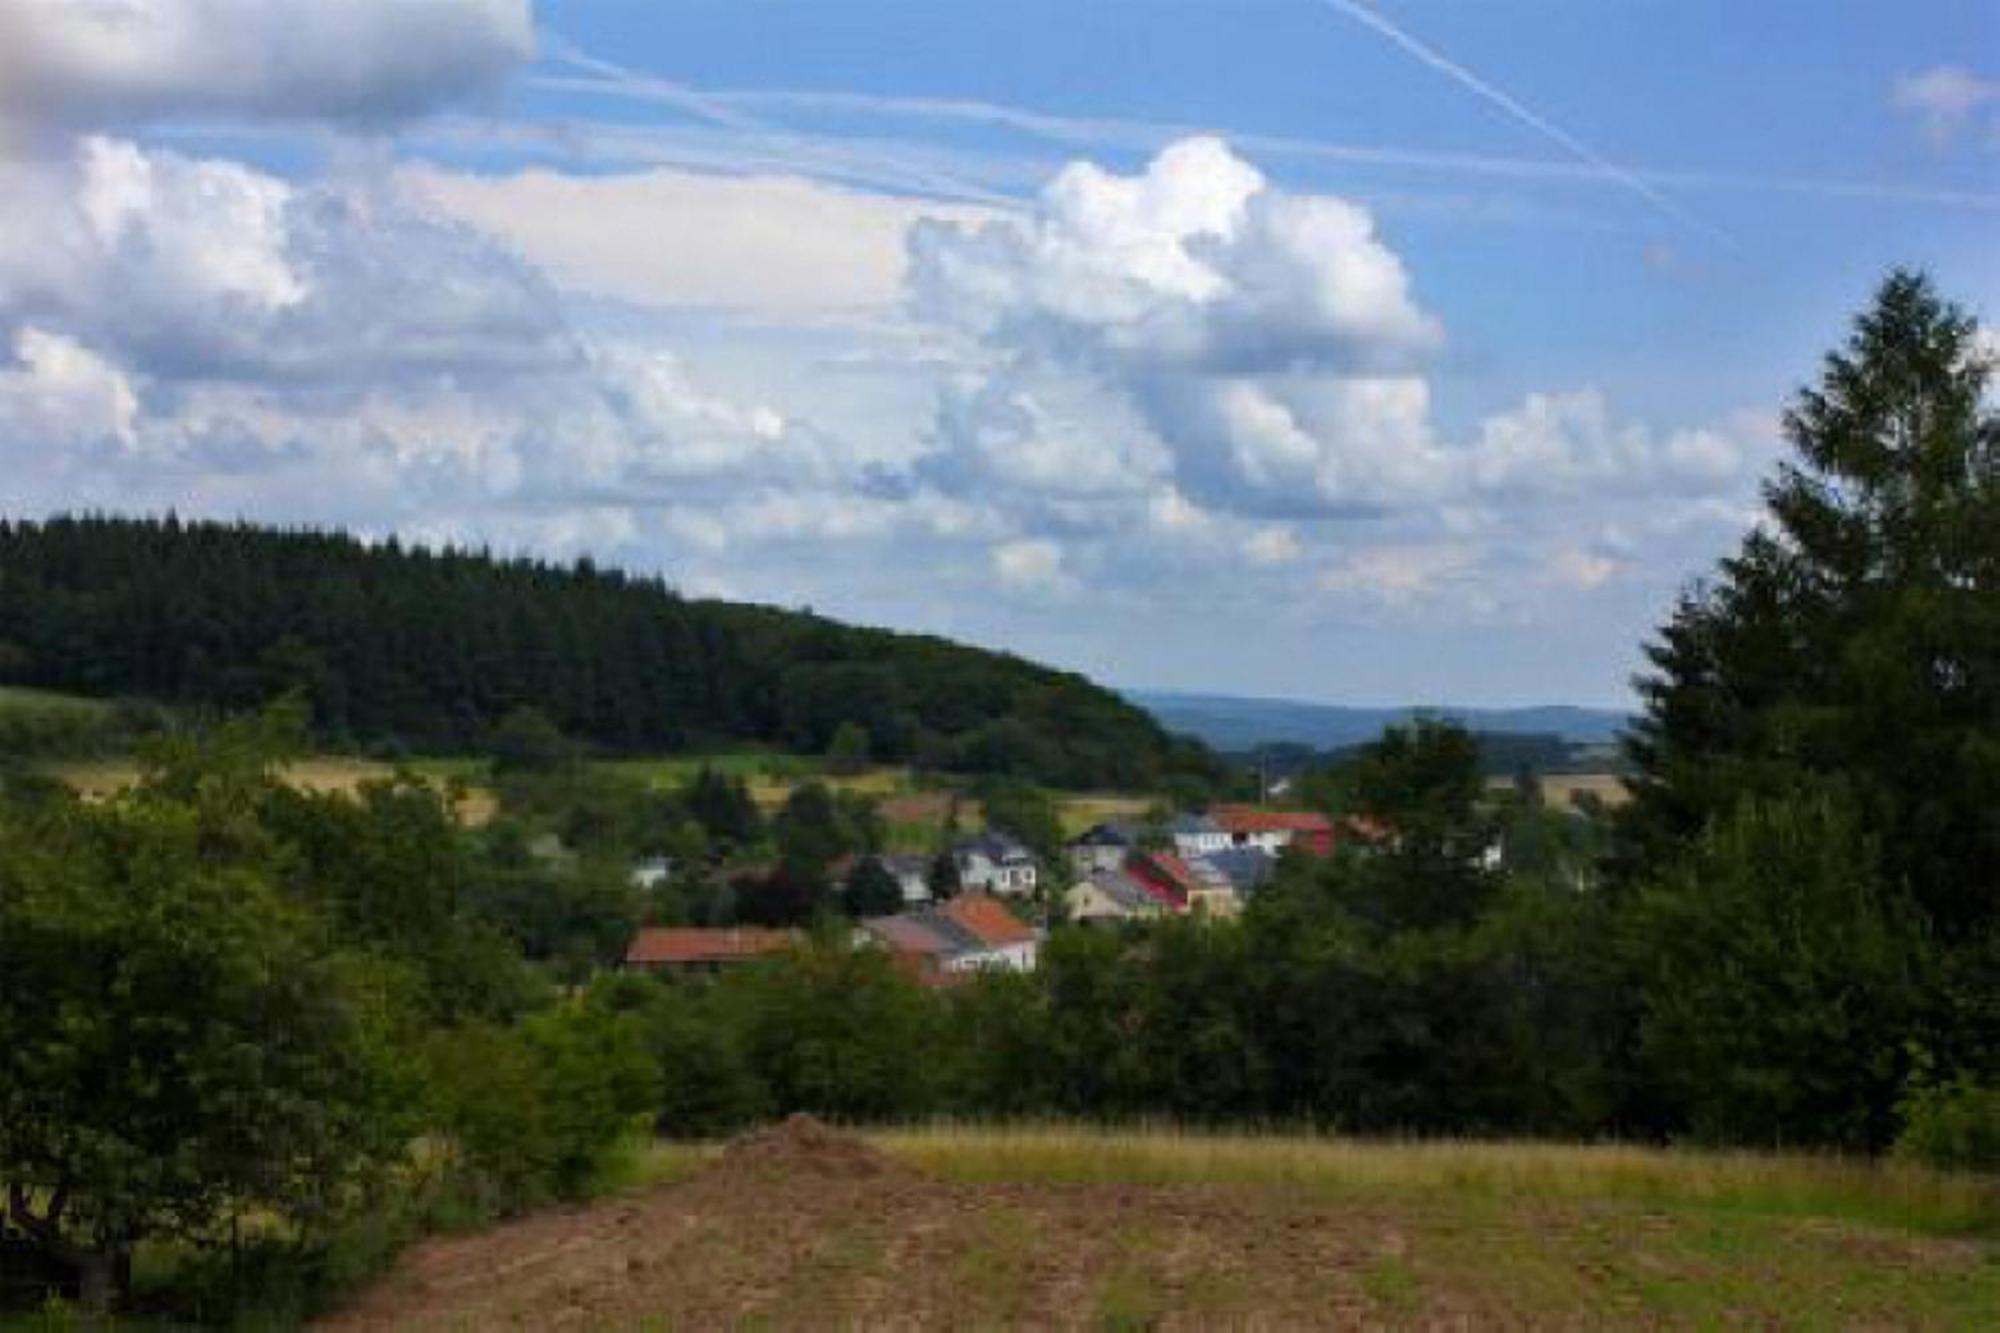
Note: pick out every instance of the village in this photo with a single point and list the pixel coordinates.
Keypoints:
(997, 911)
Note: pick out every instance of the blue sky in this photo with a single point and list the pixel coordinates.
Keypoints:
(1416, 350)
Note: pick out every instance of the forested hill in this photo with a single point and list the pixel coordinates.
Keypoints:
(401, 644)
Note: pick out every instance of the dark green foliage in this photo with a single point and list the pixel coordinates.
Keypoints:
(818, 826)
(579, 914)
(531, 1110)
(1853, 648)
(1953, 1126)
(179, 1041)
(722, 805)
(1422, 784)
(836, 1031)
(441, 650)
(1782, 979)
(942, 879)
(870, 891)
(1026, 812)
(525, 741)
(849, 751)
(707, 1087)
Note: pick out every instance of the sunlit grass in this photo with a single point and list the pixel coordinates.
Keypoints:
(1880, 1192)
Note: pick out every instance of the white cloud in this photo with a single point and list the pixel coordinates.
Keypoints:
(1570, 443)
(1400, 574)
(84, 63)
(768, 245)
(196, 268)
(63, 393)
(1195, 264)
(1261, 351)
(1948, 98)
(1029, 563)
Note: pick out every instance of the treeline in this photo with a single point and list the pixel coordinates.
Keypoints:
(403, 646)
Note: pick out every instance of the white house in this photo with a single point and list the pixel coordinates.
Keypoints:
(1197, 835)
(995, 863)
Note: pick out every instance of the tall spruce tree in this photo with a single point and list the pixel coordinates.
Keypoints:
(1852, 645)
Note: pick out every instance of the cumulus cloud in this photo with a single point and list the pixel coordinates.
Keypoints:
(100, 63)
(1949, 98)
(1259, 350)
(64, 394)
(1196, 264)
(333, 351)
(200, 268)
(1165, 391)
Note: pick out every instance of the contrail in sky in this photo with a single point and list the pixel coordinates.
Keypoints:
(1465, 78)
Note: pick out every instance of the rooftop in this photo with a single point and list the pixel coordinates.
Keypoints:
(1252, 819)
(661, 946)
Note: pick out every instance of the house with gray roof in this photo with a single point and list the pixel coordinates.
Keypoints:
(995, 862)
(1247, 868)
(1106, 896)
(1103, 847)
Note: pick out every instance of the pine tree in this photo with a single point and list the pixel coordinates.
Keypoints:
(1852, 645)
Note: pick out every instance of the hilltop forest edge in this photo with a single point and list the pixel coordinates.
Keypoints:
(348, 1018)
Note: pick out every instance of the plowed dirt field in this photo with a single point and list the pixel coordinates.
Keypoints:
(798, 1226)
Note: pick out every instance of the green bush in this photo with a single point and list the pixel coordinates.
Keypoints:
(1952, 1125)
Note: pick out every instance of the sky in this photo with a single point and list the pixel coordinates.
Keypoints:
(1361, 351)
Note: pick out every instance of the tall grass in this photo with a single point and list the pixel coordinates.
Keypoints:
(1887, 1193)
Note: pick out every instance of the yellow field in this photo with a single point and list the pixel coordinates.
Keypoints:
(1081, 812)
(1882, 1191)
(95, 778)
(1562, 790)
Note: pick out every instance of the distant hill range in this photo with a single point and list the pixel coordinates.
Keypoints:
(1235, 725)
(404, 647)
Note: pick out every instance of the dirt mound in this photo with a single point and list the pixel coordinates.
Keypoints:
(801, 1146)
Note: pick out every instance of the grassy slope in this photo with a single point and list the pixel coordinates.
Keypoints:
(1548, 1233)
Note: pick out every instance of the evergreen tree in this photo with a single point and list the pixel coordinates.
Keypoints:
(1854, 643)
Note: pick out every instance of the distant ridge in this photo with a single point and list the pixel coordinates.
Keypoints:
(402, 647)
(1234, 723)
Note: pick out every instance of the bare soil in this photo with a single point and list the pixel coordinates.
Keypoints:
(799, 1226)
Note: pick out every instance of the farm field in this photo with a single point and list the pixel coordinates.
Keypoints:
(323, 773)
(912, 810)
(1563, 790)
(798, 1225)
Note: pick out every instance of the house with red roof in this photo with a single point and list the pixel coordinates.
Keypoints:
(970, 933)
(684, 950)
(1274, 830)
